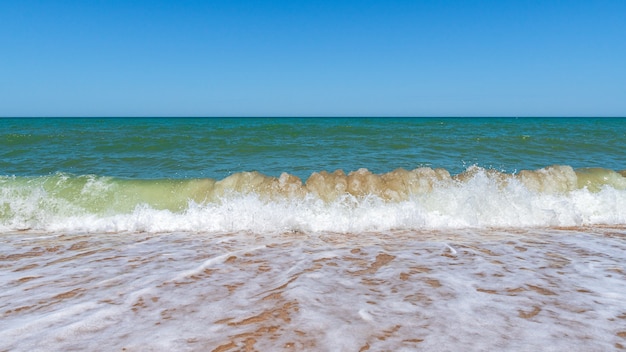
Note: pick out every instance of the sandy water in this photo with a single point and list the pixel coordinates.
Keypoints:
(549, 289)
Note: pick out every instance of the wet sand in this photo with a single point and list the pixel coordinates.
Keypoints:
(498, 289)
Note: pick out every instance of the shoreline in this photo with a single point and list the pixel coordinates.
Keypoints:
(515, 288)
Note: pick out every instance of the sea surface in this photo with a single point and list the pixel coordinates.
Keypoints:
(321, 234)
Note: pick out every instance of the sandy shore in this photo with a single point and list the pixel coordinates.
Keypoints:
(498, 289)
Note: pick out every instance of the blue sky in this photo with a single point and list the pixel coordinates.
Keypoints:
(312, 58)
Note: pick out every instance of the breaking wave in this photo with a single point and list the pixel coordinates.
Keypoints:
(423, 198)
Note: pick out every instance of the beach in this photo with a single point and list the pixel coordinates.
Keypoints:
(350, 176)
(523, 290)
(257, 234)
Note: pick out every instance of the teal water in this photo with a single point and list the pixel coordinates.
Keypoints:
(183, 148)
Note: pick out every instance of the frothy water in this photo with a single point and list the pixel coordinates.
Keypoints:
(359, 201)
(526, 290)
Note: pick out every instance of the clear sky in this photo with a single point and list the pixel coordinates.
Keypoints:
(312, 58)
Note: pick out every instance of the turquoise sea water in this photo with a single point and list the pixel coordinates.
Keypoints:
(217, 147)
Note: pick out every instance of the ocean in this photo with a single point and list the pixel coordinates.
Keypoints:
(318, 234)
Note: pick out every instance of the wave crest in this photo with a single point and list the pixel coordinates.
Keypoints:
(357, 201)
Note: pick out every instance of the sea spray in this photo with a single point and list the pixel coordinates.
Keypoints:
(339, 202)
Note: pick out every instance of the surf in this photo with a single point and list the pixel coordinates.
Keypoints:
(326, 201)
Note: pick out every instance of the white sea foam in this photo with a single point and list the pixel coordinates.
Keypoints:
(471, 289)
(467, 206)
(421, 199)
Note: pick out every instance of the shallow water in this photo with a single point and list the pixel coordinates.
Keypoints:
(479, 289)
